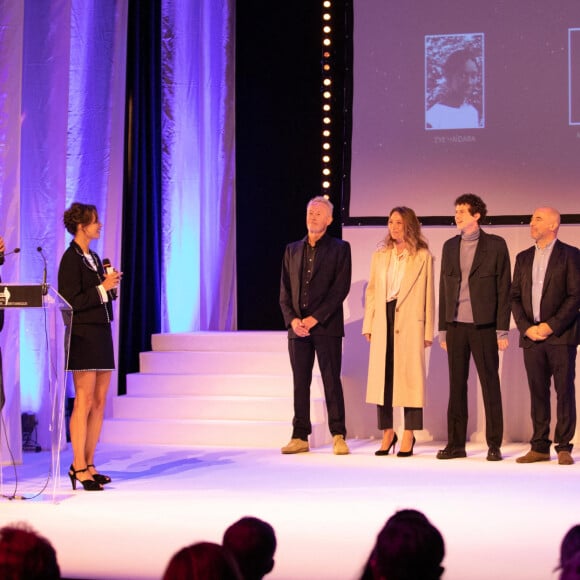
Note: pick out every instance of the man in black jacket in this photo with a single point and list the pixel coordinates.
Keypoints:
(315, 280)
(546, 306)
(474, 316)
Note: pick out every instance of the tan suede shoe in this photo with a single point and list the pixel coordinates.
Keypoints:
(295, 446)
(533, 456)
(565, 458)
(339, 446)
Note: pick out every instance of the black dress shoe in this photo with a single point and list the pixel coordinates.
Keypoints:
(451, 453)
(494, 454)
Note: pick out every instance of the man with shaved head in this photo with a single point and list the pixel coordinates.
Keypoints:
(545, 299)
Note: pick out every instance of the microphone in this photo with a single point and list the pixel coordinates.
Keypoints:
(109, 270)
(44, 284)
(3, 255)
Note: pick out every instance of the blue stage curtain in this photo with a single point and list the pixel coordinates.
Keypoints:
(141, 261)
(62, 95)
(198, 154)
(179, 200)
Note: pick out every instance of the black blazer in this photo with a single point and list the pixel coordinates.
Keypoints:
(329, 285)
(77, 283)
(489, 282)
(560, 303)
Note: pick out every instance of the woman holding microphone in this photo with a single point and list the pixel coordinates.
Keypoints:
(83, 282)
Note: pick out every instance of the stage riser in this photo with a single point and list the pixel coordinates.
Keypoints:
(230, 389)
(216, 407)
(238, 362)
(225, 341)
(152, 384)
(258, 434)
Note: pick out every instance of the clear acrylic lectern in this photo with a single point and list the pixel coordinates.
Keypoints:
(56, 315)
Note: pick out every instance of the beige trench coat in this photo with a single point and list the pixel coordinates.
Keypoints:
(414, 318)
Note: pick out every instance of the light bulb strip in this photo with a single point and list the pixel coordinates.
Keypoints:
(326, 91)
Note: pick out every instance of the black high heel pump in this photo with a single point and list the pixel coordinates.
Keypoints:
(407, 453)
(99, 477)
(88, 484)
(387, 451)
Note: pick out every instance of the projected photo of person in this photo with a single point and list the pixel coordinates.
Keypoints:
(454, 81)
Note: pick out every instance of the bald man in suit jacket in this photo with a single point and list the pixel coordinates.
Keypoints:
(545, 298)
(315, 280)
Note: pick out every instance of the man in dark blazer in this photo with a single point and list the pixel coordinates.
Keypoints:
(474, 316)
(315, 280)
(545, 299)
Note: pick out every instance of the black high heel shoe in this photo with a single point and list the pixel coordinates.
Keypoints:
(407, 453)
(99, 477)
(387, 451)
(88, 484)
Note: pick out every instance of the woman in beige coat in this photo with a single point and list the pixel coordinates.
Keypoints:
(398, 323)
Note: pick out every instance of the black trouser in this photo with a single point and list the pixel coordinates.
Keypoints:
(462, 341)
(543, 361)
(413, 415)
(328, 351)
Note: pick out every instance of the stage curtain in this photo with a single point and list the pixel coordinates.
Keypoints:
(62, 65)
(198, 188)
(179, 202)
(142, 266)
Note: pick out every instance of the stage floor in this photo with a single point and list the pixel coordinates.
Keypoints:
(499, 520)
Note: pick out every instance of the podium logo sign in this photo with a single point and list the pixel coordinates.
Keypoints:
(4, 296)
(20, 296)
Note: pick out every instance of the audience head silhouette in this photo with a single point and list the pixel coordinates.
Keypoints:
(408, 547)
(26, 554)
(570, 554)
(252, 542)
(202, 561)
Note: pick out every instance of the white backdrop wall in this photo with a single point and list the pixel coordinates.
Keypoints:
(361, 417)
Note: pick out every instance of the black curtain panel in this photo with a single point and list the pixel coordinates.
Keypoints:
(278, 145)
(141, 252)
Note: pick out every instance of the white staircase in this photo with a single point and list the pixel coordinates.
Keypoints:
(229, 389)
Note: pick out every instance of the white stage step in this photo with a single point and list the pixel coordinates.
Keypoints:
(241, 340)
(268, 385)
(213, 388)
(206, 362)
(216, 407)
(254, 434)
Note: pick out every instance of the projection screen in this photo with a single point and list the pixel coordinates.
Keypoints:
(455, 96)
